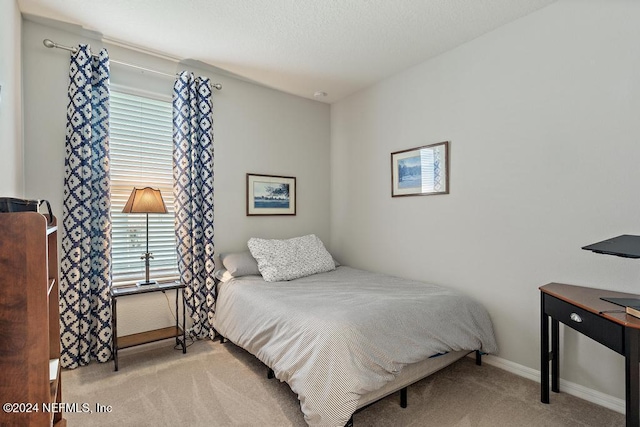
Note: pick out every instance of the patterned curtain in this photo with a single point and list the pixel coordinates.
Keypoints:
(86, 238)
(193, 191)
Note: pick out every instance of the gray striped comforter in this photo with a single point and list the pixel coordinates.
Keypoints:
(338, 335)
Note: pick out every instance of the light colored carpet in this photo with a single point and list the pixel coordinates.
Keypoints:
(222, 385)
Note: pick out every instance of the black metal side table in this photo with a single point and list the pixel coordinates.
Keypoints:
(178, 331)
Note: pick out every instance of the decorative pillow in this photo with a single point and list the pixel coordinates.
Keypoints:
(290, 259)
(240, 264)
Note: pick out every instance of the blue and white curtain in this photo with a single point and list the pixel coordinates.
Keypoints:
(193, 191)
(86, 221)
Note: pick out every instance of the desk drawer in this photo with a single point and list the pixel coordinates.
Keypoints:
(595, 327)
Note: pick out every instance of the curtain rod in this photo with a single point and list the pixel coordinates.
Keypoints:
(50, 44)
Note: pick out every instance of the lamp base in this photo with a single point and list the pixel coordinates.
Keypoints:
(146, 283)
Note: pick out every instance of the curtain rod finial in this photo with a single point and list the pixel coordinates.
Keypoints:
(48, 43)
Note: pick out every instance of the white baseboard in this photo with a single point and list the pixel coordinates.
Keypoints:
(568, 387)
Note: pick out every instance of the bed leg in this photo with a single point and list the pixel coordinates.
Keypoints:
(270, 374)
(403, 397)
(478, 358)
(350, 422)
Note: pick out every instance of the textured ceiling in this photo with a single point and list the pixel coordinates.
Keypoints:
(297, 46)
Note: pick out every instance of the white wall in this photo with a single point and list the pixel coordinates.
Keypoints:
(256, 130)
(11, 174)
(542, 115)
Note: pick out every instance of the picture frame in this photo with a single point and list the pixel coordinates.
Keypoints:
(271, 195)
(420, 171)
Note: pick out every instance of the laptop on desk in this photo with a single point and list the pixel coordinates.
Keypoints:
(627, 246)
(624, 302)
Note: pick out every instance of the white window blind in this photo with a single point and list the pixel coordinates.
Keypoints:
(141, 148)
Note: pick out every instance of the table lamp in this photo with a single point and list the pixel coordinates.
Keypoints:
(145, 200)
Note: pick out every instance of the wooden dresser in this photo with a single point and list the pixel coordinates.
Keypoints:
(30, 382)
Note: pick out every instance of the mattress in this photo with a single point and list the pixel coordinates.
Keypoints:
(339, 338)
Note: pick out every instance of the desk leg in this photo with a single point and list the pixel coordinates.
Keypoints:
(544, 353)
(177, 318)
(114, 331)
(632, 390)
(555, 356)
(184, 323)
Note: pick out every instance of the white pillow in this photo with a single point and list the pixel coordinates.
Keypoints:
(290, 259)
(239, 264)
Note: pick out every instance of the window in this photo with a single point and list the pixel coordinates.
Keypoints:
(141, 148)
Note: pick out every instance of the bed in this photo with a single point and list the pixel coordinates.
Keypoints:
(344, 338)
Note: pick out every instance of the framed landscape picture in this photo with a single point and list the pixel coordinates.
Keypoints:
(271, 195)
(420, 171)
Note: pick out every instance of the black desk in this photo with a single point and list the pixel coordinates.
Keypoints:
(582, 309)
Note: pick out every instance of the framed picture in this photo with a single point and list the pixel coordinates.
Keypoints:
(420, 171)
(271, 195)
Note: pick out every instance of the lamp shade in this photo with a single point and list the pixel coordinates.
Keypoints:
(145, 200)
